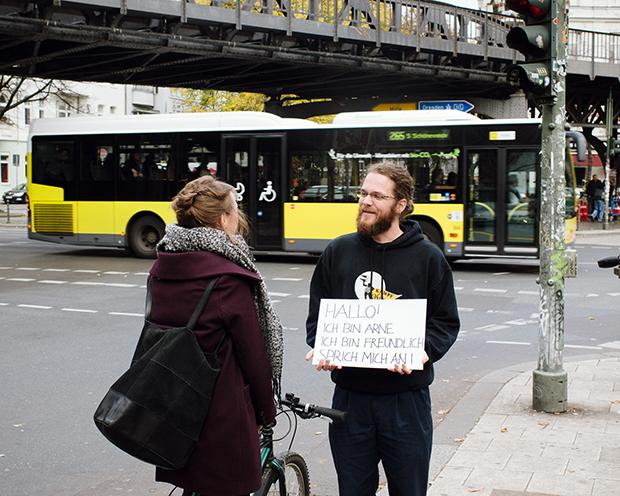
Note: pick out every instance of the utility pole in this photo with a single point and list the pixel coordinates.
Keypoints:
(543, 75)
(611, 151)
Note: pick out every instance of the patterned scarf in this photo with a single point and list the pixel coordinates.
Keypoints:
(181, 239)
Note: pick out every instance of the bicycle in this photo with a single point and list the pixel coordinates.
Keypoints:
(287, 473)
(609, 262)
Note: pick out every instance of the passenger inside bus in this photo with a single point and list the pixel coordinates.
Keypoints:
(132, 168)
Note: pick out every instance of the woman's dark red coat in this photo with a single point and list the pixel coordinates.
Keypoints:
(227, 458)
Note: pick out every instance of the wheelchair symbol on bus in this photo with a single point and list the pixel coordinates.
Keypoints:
(240, 189)
(268, 194)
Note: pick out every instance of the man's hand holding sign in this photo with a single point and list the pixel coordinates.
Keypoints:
(381, 334)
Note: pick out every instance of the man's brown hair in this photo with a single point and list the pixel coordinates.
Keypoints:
(403, 182)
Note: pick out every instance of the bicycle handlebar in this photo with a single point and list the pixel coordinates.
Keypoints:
(607, 263)
(308, 410)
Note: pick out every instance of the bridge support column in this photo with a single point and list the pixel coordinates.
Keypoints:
(515, 107)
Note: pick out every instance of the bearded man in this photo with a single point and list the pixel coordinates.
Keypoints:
(388, 410)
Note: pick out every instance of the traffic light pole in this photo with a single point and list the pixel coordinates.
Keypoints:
(550, 379)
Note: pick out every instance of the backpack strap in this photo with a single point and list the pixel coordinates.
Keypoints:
(201, 304)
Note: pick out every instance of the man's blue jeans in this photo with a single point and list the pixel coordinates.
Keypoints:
(396, 429)
(599, 210)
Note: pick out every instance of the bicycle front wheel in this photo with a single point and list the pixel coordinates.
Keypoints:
(297, 479)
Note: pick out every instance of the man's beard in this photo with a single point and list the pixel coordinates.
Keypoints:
(383, 221)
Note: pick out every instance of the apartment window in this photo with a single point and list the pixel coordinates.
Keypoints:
(27, 116)
(4, 168)
(63, 109)
(113, 110)
(100, 109)
(41, 113)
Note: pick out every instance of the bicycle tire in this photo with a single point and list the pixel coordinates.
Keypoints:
(296, 476)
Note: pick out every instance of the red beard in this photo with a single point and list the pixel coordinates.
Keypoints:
(381, 223)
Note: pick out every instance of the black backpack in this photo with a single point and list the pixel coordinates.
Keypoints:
(156, 410)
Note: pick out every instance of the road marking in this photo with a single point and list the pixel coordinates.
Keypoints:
(534, 315)
(492, 327)
(520, 343)
(613, 294)
(291, 328)
(533, 293)
(87, 271)
(20, 279)
(126, 314)
(465, 309)
(82, 310)
(304, 296)
(40, 307)
(614, 345)
(502, 273)
(27, 268)
(293, 268)
(458, 288)
(51, 281)
(582, 347)
(118, 285)
(115, 273)
(518, 322)
(140, 273)
(490, 290)
(276, 301)
(501, 312)
(88, 283)
(291, 279)
(56, 270)
(6, 268)
(4, 304)
(279, 295)
(592, 295)
(2, 277)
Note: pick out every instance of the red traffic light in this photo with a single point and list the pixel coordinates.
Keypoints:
(531, 8)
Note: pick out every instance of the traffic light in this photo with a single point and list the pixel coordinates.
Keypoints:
(614, 147)
(535, 41)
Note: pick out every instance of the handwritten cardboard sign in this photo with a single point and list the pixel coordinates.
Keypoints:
(371, 333)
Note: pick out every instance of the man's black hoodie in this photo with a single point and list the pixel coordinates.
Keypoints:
(355, 266)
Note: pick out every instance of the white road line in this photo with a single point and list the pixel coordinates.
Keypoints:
(490, 290)
(140, 273)
(40, 307)
(592, 295)
(88, 283)
(51, 281)
(582, 347)
(520, 343)
(465, 309)
(82, 310)
(501, 312)
(56, 270)
(126, 314)
(115, 273)
(533, 293)
(27, 268)
(492, 327)
(293, 268)
(501, 273)
(291, 328)
(518, 322)
(534, 316)
(87, 271)
(276, 301)
(6, 268)
(20, 279)
(118, 285)
(4, 304)
(2, 277)
(304, 296)
(279, 295)
(613, 294)
(458, 288)
(614, 345)
(291, 279)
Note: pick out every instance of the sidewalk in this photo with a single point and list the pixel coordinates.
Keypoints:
(513, 451)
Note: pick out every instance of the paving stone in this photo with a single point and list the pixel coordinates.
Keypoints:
(499, 479)
(473, 458)
(605, 487)
(562, 485)
(526, 462)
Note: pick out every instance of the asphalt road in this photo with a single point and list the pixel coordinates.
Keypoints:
(71, 317)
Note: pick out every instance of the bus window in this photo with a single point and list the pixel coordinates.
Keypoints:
(481, 195)
(520, 185)
(97, 170)
(200, 158)
(54, 165)
(146, 169)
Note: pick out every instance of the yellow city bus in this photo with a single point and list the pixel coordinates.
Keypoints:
(109, 181)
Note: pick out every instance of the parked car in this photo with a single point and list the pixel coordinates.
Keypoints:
(19, 194)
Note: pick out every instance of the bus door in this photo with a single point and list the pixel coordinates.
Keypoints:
(253, 165)
(502, 202)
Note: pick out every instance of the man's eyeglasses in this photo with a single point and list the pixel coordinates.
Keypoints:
(374, 195)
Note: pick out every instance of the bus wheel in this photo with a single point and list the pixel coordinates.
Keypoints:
(143, 236)
(433, 234)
